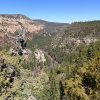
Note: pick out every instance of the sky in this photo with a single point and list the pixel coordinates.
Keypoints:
(65, 11)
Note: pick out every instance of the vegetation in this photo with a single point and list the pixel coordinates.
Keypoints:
(74, 76)
(79, 78)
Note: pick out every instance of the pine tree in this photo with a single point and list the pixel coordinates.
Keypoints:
(54, 85)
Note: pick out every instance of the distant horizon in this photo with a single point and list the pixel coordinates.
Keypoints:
(52, 21)
(62, 11)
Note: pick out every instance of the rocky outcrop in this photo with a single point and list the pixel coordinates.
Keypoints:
(39, 56)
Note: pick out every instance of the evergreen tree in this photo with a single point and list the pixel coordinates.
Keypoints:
(54, 85)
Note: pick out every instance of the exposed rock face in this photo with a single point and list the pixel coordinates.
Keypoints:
(12, 23)
(39, 55)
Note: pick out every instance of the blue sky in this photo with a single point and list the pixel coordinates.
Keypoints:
(53, 10)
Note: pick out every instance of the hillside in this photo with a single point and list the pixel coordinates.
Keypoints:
(78, 33)
(51, 27)
(10, 24)
(42, 60)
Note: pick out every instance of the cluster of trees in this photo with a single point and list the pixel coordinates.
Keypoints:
(79, 77)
